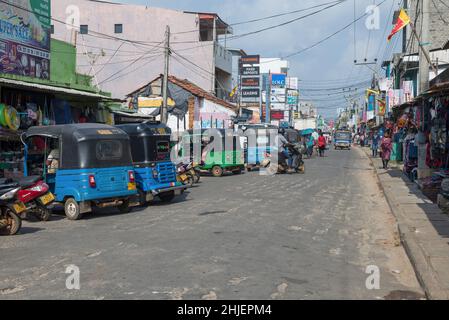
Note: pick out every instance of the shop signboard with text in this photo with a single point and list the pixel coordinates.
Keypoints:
(25, 38)
(278, 80)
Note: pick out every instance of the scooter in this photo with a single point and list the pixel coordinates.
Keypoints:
(282, 167)
(183, 174)
(35, 194)
(10, 209)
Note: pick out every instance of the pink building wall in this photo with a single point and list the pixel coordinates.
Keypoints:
(113, 61)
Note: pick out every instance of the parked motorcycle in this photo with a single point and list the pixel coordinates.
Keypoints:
(36, 196)
(196, 171)
(184, 175)
(10, 209)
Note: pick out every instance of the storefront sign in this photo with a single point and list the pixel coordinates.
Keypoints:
(253, 59)
(250, 71)
(251, 82)
(250, 93)
(25, 38)
(277, 115)
(278, 80)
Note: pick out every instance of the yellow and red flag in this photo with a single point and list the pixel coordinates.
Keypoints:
(403, 20)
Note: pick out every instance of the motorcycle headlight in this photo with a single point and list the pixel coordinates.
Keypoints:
(10, 194)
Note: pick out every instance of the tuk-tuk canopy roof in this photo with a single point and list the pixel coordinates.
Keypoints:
(71, 133)
(145, 129)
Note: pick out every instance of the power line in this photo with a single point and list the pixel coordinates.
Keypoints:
(331, 35)
(266, 18)
(285, 23)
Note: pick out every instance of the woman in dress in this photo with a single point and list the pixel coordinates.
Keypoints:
(386, 146)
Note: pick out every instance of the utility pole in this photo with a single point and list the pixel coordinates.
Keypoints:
(424, 59)
(214, 50)
(268, 98)
(164, 109)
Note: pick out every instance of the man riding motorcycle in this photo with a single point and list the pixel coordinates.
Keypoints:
(282, 145)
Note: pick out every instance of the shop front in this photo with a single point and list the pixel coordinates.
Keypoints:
(26, 104)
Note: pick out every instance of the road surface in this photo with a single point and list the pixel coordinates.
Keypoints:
(308, 236)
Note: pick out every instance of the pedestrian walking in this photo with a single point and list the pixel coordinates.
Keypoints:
(375, 144)
(386, 146)
(321, 144)
(310, 144)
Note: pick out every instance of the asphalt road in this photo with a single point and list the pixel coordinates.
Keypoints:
(308, 236)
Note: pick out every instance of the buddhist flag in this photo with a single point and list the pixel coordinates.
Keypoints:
(403, 20)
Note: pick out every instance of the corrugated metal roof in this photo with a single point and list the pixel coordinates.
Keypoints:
(43, 87)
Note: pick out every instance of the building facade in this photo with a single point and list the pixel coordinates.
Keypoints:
(122, 45)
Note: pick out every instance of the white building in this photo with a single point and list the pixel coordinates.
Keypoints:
(122, 45)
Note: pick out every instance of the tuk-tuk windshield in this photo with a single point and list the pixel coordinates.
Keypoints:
(343, 135)
(104, 153)
(150, 148)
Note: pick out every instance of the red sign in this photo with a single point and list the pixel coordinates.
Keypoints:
(251, 82)
(277, 115)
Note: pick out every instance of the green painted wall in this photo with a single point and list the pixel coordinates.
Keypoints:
(62, 70)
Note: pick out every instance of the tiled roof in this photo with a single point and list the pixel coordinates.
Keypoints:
(197, 91)
(194, 90)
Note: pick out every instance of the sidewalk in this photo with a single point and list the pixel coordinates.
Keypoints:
(423, 228)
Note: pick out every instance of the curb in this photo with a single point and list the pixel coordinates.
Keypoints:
(424, 272)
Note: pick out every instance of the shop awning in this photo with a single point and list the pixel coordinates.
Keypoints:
(48, 88)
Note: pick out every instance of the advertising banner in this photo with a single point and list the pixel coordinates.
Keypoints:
(250, 93)
(250, 71)
(277, 115)
(278, 80)
(292, 83)
(251, 82)
(252, 59)
(25, 38)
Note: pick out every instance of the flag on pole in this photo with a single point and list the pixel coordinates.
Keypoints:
(403, 20)
(233, 92)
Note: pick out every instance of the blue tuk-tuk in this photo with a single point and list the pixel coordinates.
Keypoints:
(88, 165)
(155, 172)
(343, 139)
(256, 142)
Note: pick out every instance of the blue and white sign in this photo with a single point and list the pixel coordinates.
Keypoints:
(278, 80)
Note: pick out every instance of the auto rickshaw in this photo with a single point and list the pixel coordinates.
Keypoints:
(343, 140)
(220, 150)
(257, 142)
(85, 165)
(155, 172)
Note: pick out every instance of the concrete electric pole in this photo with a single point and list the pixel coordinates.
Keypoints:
(164, 109)
(424, 62)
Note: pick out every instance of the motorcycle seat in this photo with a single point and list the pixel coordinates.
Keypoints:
(28, 181)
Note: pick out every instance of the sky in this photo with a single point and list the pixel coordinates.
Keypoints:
(328, 65)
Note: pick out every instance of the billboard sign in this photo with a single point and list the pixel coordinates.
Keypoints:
(278, 80)
(277, 115)
(252, 59)
(292, 83)
(251, 93)
(250, 71)
(251, 82)
(25, 38)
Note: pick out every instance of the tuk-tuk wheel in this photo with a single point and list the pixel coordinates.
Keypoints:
(142, 198)
(237, 171)
(167, 196)
(124, 207)
(72, 209)
(217, 171)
